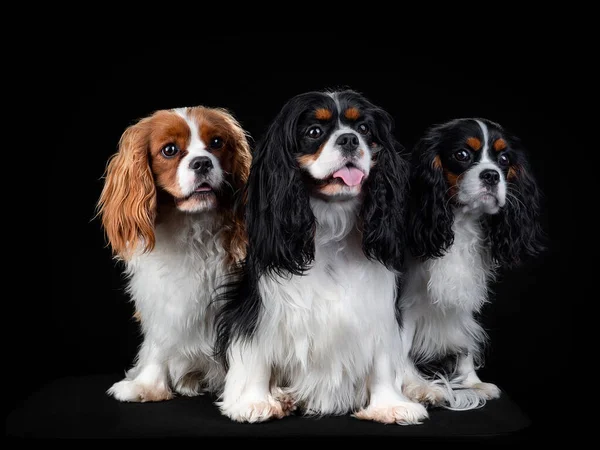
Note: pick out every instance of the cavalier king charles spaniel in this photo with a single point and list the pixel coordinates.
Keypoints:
(474, 209)
(311, 321)
(167, 210)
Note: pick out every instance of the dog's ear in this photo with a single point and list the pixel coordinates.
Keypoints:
(384, 205)
(515, 233)
(279, 220)
(430, 213)
(127, 204)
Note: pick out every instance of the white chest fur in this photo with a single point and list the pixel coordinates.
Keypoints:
(172, 285)
(324, 327)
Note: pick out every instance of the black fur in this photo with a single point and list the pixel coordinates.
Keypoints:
(383, 210)
(430, 213)
(515, 233)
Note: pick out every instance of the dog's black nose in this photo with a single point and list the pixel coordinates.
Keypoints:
(201, 165)
(348, 142)
(491, 177)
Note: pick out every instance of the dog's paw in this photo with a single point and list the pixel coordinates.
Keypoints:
(285, 398)
(402, 413)
(134, 391)
(425, 393)
(487, 391)
(256, 409)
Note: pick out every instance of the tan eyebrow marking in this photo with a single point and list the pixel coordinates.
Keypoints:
(323, 114)
(499, 145)
(352, 113)
(474, 143)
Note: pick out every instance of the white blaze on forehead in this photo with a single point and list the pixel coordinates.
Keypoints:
(196, 147)
(486, 136)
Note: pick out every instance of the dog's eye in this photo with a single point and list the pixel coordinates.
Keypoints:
(314, 132)
(363, 129)
(503, 160)
(462, 155)
(216, 143)
(169, 150)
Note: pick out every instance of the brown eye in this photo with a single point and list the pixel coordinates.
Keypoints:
(503, 160)
(314, 133)
(462, 155)
(216, 143)
(169, 150)
(363, 129)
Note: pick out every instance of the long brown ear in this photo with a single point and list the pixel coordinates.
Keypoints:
(240, 169)
(127, 204)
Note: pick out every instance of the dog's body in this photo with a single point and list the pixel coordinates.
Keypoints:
(315, 312)
(474, 210)
(167, 208)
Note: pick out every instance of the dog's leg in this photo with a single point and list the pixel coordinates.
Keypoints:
(466, 372)
(386, 403)
(150, 383)
(414, 385)
(247, 396)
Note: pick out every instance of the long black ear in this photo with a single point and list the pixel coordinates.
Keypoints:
(384, 204)
(515, 233)
(430, 213)
(279, 220)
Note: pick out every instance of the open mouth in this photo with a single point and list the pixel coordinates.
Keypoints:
(348, 175)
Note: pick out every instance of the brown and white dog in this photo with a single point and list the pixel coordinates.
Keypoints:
(167, 210)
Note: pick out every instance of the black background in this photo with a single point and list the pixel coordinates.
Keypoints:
(83, 322)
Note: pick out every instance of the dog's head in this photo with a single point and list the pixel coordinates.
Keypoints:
(193, 159)
(477, 167)
(336, 146)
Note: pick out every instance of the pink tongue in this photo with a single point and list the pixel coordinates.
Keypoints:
(203, 188)
(350, 175)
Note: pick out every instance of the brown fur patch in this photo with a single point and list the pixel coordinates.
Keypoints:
(474, 143)
(512, 173)
(499, 145)
(437, 162)
(323, 114)
(352, 113)
(361, 153)
(137, 316)
(168, 127)
(307, 160)
(452, 182)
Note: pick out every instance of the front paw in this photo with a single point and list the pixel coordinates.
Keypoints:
(257, 409)
(286, 399)
(402, 413)
(134, 391)
(487, 391)
(425, 393)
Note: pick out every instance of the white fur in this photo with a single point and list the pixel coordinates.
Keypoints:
(439, 301)
(185, 175)
(171, 288)
(330, 337)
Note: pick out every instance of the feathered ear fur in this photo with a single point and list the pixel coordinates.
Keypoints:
(431, 215)
(279, 220)
(515, 232)
(384, 205)
(127, 204)
(236, 239)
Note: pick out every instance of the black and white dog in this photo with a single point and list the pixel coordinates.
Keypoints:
(314, 316)
(474, 209)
